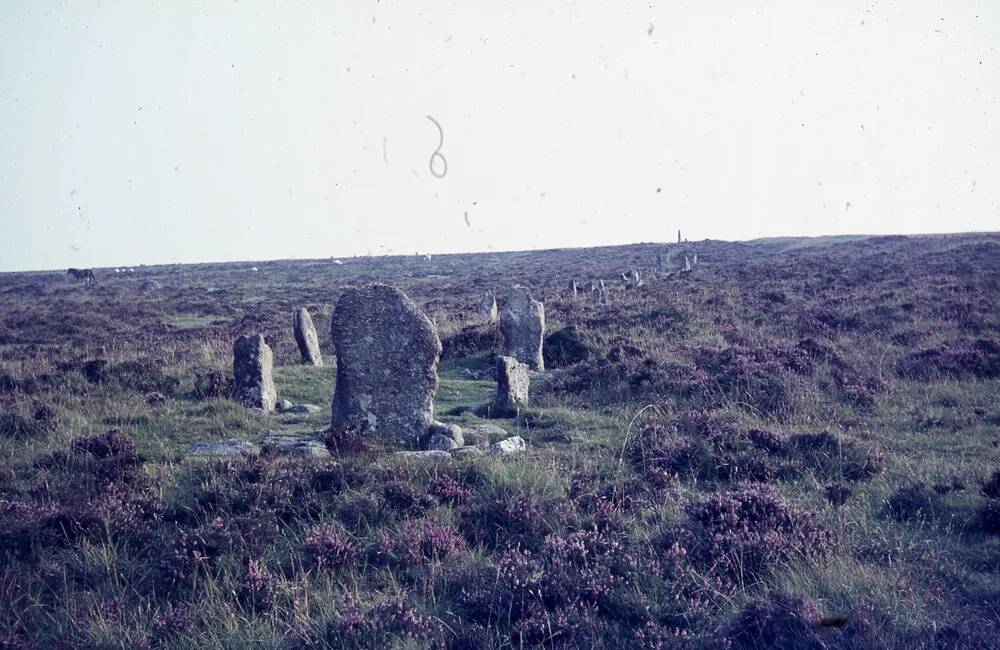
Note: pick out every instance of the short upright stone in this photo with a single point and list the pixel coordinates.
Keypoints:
(512, 387)
(522, 324)
(387, 356)
(305, 336)
(488, 309)
(252, 366)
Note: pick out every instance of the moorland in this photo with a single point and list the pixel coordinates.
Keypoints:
(793, 445)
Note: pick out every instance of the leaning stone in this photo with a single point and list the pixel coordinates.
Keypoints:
(277, 444)
(468, 451)
(512, 445)
(387, 356)
(430, 454)
(488, 309)
(304, 408)
(522, 324)
(305, 336)
(252, 361)
(512, 387)
(283, 405)
(229, 447)
(444, 443)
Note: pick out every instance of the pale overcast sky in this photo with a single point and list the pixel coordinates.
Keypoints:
(135, 132)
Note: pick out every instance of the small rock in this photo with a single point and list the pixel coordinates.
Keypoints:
(283, 405)
(452, 431)
(278, 444)
(441, 442)
(487, 431)
(305, 408)
(228, 447)
(468, 451)
(512, 445)
(432, 454)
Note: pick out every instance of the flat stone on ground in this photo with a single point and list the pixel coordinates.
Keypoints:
(223, 448)
(305, 408)
(279, 444)
(430, 454)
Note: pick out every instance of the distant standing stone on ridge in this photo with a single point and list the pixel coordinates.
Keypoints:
(252, 365)
(488, 309)
(387, 356)
(305, 336)
(512, 387)
(522, 324)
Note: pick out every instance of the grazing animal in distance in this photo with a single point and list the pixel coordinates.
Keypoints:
(87, 275)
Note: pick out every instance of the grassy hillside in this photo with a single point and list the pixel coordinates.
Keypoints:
(791, 446)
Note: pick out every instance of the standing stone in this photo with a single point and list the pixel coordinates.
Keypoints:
(512, 387)
(633, 278)
(694, 260)
(305, 336)
(572, 289)
(522, 324)
(687, 263)
(678, 236)
(387, 357)
(488, 309)
(252, 364)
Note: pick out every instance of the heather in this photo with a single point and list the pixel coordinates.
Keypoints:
(794, 446)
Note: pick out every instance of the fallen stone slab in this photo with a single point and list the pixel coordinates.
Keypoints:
(224, 448)
(430, 454)
(304, 408)
(279, 444)
(512, 445)
(283, 405)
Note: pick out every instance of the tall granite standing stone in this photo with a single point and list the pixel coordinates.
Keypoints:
(512, 387)
(522, 325)
(305, 336)
(252, 366)
(572, 289)
(387, 357)
(488, 309)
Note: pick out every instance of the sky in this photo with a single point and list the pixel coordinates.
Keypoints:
(182, 131)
